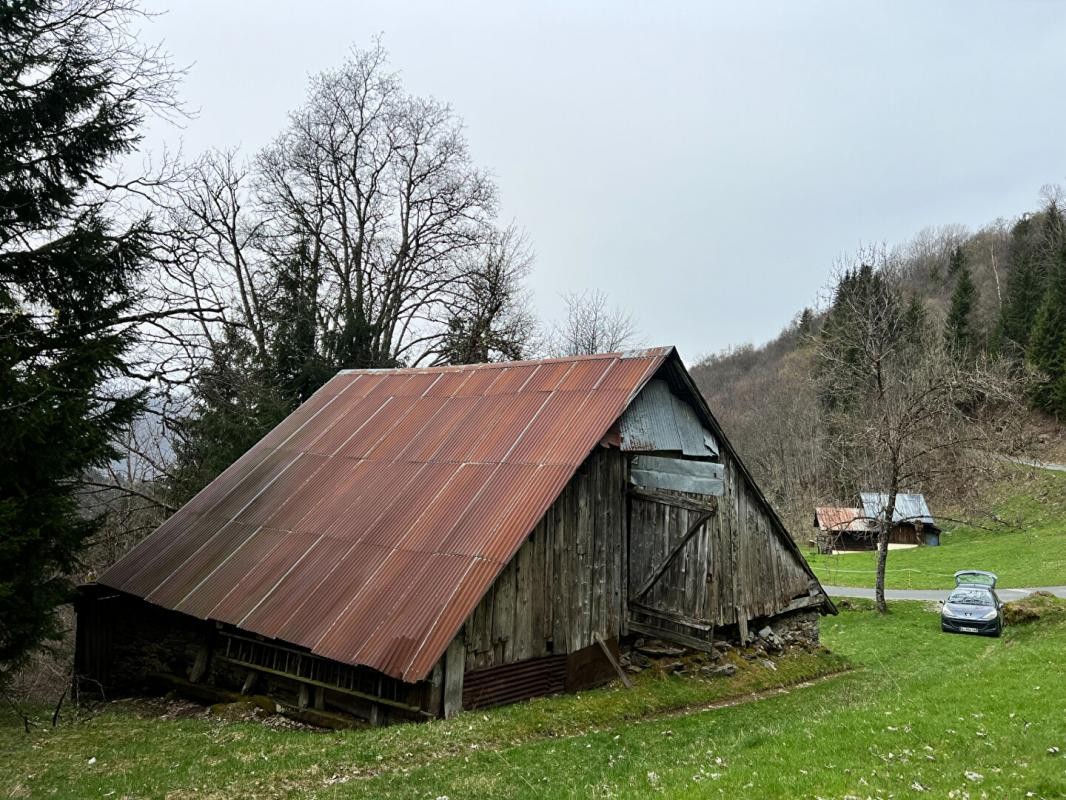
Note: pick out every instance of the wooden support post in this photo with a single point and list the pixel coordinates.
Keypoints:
(320, 698)
(614, 662)
(435, 695)
(199, 667)
(249, 682)
(304, 697)
(454, 667)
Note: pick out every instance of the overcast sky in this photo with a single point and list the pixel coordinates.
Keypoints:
(704, 163)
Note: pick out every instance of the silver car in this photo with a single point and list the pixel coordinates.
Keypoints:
(973, 606)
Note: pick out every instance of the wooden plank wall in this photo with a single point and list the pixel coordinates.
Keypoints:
(565, 584)
(747, 564)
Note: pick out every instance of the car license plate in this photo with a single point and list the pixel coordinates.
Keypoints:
(968, 630)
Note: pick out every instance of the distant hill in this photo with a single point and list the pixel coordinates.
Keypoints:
(764, 395)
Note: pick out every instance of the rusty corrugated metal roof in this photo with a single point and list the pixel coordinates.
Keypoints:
(368, 525)
(839, 519)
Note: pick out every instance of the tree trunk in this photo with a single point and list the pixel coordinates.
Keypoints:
(882, 560)
(882, 548)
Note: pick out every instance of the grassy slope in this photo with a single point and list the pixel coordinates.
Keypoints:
(143, 756)
(923, 709)
(1031, 553)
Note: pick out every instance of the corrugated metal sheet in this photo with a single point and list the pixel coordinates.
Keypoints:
(368, 524)
(909, 507)
(658, 420)
(679, 475)
(509, 683)
(837, 518)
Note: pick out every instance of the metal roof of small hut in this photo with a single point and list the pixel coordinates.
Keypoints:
(909, 508)
(841, 519)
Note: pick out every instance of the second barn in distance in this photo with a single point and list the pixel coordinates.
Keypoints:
(848, 528)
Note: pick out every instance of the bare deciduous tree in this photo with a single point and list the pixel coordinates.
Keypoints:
(592, 325)
(901, 410)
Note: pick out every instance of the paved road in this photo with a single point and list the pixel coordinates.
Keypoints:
(1029, 462)
(936, 594)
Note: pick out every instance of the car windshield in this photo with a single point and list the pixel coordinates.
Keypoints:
(971, 596)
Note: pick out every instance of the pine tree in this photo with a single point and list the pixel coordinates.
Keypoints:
(1035, 242)
(1047, 345)
(69, 104)
(959, 332)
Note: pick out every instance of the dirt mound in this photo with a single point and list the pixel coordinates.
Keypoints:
(1037, 606)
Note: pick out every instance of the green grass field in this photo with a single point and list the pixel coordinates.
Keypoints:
(921, 714)
(1027, 549)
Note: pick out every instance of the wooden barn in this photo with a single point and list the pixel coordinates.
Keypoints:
(412, 542)
(844, 528)
(912, 522)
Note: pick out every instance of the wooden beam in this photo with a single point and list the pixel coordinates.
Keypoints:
(672, 636)
(454, 667)
(653, 496)
(614, 662)
(332, 687)
(673, 616)
(659, 570)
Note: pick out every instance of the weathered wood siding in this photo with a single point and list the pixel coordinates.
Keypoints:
(736, 560)
(566, 583)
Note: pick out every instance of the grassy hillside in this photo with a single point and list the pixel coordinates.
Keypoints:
(1029, 549)
(924, 714)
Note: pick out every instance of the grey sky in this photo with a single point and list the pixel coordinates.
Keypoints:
(704, 163)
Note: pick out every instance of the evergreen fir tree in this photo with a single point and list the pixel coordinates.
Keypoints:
(959, 331)
(1047, 346)
(66, 279)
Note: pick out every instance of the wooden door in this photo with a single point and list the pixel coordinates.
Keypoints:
(671, 573)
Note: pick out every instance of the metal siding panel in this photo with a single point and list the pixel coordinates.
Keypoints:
(419, 416)
(293, 588)
(357, 412)
(199, 566)
(236, 566)
(585, 375)
(260, 579)
(511, 380)
(448, 420)
(335, 590)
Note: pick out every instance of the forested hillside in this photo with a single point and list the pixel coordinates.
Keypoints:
(997, 292)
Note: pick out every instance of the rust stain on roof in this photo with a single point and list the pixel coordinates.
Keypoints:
(839, 519)
(367, 526)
